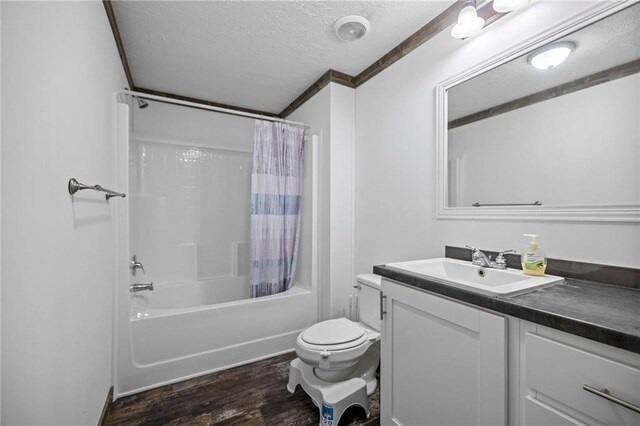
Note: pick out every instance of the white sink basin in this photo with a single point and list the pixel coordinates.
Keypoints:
(503, 282)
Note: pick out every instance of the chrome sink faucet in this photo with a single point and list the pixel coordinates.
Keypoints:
(478, 258)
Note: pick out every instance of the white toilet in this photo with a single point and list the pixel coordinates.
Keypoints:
(340, 349)
(338, 358)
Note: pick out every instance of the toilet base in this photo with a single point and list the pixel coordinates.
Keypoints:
(332, 399)
(365, 368)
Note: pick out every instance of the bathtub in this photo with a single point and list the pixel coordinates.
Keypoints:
(188, 296)
(182, 330)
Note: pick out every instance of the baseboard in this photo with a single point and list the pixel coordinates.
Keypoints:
(106, 409)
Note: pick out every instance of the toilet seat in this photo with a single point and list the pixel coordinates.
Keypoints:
(338, 351)
(333, 335)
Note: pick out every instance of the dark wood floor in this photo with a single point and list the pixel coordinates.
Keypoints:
(254, 394)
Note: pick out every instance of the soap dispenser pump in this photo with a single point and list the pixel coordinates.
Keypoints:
(533, 260)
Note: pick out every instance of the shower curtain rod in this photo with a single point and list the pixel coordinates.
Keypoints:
(210, 108)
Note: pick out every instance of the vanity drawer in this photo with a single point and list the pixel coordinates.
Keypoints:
(540, 414)
(559, 372)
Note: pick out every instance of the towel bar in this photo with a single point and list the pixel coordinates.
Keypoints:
(535, 203)
(75, 186)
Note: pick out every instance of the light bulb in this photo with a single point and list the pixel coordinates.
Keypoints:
(552, 55)
(469, 23)
(504, 6)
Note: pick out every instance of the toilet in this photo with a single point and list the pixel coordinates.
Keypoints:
(338, 358)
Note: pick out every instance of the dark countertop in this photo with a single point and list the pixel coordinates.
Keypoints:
(602, 312)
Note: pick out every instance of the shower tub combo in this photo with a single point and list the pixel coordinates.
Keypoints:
(198, 318)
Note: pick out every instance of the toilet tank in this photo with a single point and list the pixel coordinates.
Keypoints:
(368, 300)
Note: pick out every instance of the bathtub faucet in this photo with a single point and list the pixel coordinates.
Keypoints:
(133, 288)
(134, 265)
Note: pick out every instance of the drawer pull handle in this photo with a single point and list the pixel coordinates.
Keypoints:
(604, 393)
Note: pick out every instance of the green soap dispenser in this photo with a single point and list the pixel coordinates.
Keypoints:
(533, 260)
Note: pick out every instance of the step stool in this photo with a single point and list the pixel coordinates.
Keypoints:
(332, 399)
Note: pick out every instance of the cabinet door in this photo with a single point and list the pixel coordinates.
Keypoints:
(443, 362)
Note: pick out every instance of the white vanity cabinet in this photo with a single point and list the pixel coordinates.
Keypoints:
(556, 366)
(443, 362)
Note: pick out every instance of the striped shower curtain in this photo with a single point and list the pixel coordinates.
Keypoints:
(276, 189)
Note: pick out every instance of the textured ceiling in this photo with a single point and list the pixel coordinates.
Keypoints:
(256, 54)
(612, 41)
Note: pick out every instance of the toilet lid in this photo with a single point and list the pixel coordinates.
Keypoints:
(332, 332)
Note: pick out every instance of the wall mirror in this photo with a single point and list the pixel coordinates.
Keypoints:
(526, 137)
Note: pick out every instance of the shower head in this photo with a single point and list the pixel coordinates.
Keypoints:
(142, 104)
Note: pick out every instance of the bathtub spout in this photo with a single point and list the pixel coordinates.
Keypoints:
(133, 288)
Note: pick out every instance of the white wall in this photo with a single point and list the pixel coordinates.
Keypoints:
(60, 68)
(316, 112)
(342, 198)
(577, 149)
(331, 115)
(0, 220)
(395, 160)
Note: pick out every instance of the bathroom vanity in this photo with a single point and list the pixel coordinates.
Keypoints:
(567, 354)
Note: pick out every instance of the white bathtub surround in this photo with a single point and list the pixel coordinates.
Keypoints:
(167, 297)
(189, 211)
(276, 195)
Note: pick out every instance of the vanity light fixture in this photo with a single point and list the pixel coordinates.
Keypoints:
(506, 6)
(469, 23)
(551, 55)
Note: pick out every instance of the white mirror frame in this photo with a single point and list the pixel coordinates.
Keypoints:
(571, 213)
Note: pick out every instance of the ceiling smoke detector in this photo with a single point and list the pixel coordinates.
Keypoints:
(352, 27)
